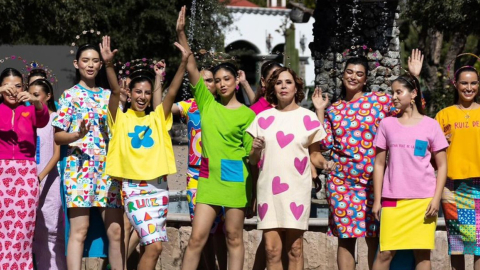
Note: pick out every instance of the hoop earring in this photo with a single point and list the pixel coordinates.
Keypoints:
(412, 101)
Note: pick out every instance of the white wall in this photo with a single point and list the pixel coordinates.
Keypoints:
(255, 28)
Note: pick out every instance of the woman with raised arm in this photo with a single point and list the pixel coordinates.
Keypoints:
(224, 166)
(141, 153)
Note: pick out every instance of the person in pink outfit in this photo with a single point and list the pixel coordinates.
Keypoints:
(18, 170)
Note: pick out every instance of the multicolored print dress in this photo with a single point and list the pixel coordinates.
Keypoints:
(83, 170)
(351, 128)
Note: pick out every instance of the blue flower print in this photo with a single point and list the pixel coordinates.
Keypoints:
(141, 137)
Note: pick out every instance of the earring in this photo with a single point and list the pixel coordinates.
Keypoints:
(412, 101)
(236, 88)
(129, 100)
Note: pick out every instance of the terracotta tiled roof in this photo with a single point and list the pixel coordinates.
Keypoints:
(240, 3)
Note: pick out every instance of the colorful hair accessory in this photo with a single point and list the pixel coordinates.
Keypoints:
(452, 79)
(32, 66)
(87, 35)
(143, 64)
(362, 50)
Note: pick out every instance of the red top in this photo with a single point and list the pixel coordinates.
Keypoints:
(18, 131)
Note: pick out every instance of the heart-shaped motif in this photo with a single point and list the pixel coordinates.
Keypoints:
(7, 224)
(34, 192)
(26, 256)
(7, 202)
(31, 202)
(1, 170)
(297, 211)
(23, 265)
(11, 213)
(18, 225)
(8, 244)
(20, 235)
(262, 210)
(32, 213)
(11, 171)
(23, 171)
(11, 234)
(283, 140)
(21, 193)
(21, 203)
(7, 181)
(33, 171)
(22, 214)
(12, 192)
(17, 257)
(278, 187)
(22, 162)
(17, 246)
(32, 182)
(309, 124)
(25, 114)
(300, 165)
(264, 123)
(2, 213)
(19, 182)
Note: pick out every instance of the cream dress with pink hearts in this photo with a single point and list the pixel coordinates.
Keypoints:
(285, 183)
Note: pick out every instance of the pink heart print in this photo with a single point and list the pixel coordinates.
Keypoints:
(283, 140)
(309, 124)
(297, 211)
(278, 187)
(264, 123)
(300, 165)
(262, 210)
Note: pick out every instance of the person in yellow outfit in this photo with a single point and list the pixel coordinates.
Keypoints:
(141, 153)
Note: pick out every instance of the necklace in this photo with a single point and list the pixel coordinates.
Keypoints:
(467, 116)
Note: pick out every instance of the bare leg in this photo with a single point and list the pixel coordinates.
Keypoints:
(204, 216)
(476, 262)
(260, 256)
(294, 246)
(79, 222)
(384, 258)
(113, 220)
(149, 256)
(346, 253)
(422, 259)
(372, 245)
(234, 218)
(273, 249)
(220, 246)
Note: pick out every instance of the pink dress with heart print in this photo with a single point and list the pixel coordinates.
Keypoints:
(285, 183)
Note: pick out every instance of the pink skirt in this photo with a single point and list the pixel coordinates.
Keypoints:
(18, 204)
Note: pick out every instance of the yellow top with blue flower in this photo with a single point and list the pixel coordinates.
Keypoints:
(140, 148)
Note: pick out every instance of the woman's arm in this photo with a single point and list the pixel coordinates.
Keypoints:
(246, 86)
(51, 163)
(319, 103)
(63, 138)
(177, 81)
(108, 55)
(441, 161)
(193, 73)
(257, 146)
(378, 174)
(318, 160)
(159, 69)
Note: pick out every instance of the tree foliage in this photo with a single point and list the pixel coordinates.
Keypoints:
(139, 28)
(442, 30)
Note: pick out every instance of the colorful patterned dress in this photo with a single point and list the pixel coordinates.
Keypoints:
(84, 176)
(351, 128)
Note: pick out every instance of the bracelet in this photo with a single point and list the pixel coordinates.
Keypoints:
(108, 64)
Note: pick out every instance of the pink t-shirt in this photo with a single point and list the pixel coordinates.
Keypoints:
(409, 174)
(260, 106)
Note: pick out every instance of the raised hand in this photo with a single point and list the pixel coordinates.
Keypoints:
(107, 53)
(415, 62)
(159, 68)
(181, 20)
(123, 90)
(83, 129)
(26, 97)
(319, 102)
(241, 76)
(185, 53)
(9, 90)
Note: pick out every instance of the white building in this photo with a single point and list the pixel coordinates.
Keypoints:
(254, 29)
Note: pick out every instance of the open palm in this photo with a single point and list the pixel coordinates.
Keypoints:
(107, 53)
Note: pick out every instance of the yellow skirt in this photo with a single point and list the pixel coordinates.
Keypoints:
(403, 225)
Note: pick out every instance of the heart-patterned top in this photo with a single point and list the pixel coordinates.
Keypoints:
(284, 183)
